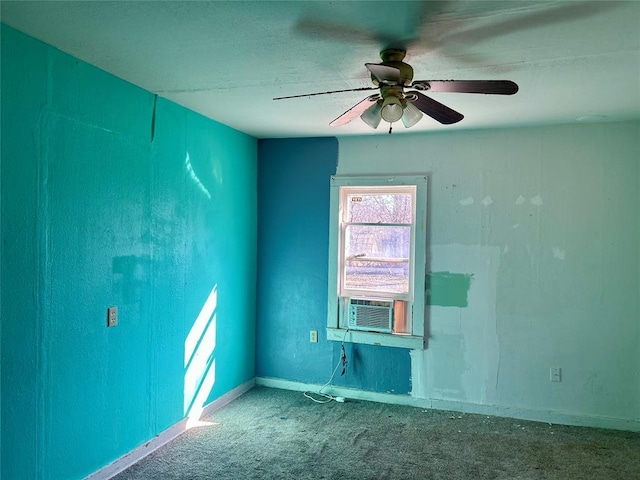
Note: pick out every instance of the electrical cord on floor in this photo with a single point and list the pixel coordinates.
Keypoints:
(325, 396)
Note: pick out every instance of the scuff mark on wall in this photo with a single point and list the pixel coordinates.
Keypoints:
(520, 200)
(466, 201)
(486, 201)
(448, 289)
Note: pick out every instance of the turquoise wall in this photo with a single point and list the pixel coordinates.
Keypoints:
(293, 255)
(111, 197)
(543, 226)
(533, 263)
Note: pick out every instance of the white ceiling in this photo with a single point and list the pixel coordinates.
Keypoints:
(573, 61)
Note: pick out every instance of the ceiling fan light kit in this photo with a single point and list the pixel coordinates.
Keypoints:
(411, 116)
(371, 116)
(392, 104)
(391, 109)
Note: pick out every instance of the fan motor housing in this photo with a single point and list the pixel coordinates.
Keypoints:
(392, 57)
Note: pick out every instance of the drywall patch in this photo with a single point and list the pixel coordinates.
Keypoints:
(537, 201)
(486, 201)
(515, 225)
(559, 254)
(447, 380)
(474, 328)
(466, 201)
(520, 200)
(448, 289)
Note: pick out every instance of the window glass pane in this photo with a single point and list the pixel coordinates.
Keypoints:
(379, 208)
(377, 258)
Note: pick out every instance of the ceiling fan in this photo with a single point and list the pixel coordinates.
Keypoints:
(392, 103)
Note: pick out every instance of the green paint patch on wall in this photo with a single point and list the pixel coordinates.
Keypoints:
(448, 289)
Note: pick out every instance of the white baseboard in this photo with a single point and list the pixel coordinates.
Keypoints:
(535, 415)
(564, 418)
(166, 436)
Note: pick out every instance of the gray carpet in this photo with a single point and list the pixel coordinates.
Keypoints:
(272, 434)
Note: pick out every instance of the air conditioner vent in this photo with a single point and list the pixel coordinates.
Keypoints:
(370, 315)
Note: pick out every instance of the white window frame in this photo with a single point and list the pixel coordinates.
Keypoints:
(336, 317)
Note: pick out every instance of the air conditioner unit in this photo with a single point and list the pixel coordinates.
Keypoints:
(370, 315)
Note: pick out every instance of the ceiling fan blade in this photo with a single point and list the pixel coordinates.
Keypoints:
(327, 93)
(395, 25)
(494, 87)
(354, 111)
(434, 109)
(384, 73)
(542, 14)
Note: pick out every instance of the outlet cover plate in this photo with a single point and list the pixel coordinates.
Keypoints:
(112, 316)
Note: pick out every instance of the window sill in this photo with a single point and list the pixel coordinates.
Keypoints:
(373, 338)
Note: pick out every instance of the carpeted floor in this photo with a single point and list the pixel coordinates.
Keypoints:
(272, 434)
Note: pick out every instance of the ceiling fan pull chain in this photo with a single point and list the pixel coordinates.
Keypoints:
(390, 127)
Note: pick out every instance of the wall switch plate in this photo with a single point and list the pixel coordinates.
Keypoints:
(555, 374)
(112, 316)
(313, 336)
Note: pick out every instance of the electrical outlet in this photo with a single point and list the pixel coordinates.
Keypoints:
(313, 336)
(112, 316)
(555, 374)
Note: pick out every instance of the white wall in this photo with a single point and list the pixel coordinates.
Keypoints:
(547, 222)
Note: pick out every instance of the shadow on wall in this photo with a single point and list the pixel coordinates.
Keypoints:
(199, 360)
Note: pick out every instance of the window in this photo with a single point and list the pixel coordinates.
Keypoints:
(377, 252)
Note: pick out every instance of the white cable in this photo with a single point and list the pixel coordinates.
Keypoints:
(328, 398)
